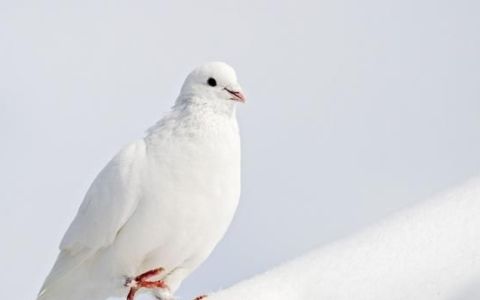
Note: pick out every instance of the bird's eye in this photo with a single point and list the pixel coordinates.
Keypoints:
(212, 82)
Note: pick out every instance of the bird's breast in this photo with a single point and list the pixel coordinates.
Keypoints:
(190, 193)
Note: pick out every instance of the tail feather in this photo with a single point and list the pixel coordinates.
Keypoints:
(67, 279)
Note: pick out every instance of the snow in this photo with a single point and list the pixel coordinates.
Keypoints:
(429, 251)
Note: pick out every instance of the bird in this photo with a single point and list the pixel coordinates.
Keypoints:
(163, 202)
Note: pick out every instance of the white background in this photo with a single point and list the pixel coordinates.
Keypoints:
(355, 109)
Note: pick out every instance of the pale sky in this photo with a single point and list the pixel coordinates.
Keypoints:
(355, 109)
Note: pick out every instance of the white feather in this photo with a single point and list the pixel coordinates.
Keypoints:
(164, 201)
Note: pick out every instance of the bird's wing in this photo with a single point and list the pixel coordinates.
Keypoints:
(109, 203)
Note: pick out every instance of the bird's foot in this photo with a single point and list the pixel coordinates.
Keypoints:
(141, 281)
(202, 297)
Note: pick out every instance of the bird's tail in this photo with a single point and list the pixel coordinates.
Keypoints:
(70, 292)
(69, 280)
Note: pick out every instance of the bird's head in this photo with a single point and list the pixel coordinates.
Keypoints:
(213, 83)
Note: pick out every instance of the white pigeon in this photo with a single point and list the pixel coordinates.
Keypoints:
(159, 207)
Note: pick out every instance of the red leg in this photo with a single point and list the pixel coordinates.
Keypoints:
(131, 293)
(153, 284)
(140, 281)
(149, 274)
(200, 297)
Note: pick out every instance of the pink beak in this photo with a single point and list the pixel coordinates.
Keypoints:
(237, 95)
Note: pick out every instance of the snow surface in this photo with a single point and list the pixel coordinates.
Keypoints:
(430, 251)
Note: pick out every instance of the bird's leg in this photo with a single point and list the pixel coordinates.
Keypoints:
(200, 297)
(140, 281)
(131, 293)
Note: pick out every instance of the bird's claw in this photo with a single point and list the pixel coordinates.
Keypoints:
(200, 297)
(140, 281)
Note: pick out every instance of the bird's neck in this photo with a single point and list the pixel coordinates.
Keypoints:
(198, 117)
(192, 104)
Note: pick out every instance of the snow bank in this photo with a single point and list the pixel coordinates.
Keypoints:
(428, 252)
